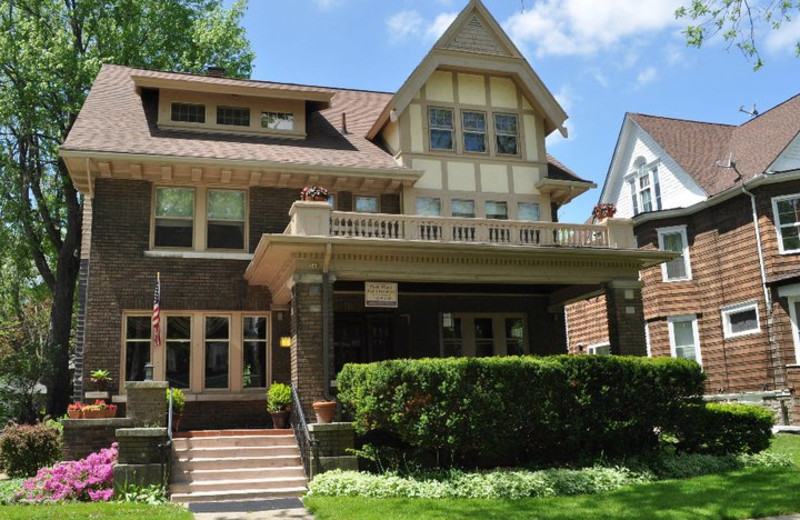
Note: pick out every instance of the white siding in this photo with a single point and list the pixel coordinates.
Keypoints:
(789, 159)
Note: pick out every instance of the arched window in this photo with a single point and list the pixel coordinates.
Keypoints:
(645, 188)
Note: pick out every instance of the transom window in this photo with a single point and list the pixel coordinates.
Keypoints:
(740, 320)
(474, 129)
(429, 206)
(787, 220)
(225, 223)
(506, 134)
(462, 208)
(188, 112)
(497, 210)
(645, 187)
(674, 239)
(233, 116)
(137, 347)
(683, 337)
(440, 121)
(174, 217)
(528, 211)
(483, 334)
(367, 204)
(277, 120)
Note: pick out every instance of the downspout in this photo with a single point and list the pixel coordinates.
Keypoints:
(326, 339)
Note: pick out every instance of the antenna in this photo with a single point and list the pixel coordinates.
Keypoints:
(753, 112)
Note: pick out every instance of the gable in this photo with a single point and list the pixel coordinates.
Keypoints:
(474, 36)
(789, 159)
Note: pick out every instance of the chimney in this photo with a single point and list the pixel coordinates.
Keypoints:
(344, 123)
(215, 71)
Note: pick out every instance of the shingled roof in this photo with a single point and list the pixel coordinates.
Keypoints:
(697, 147)
(117, 119)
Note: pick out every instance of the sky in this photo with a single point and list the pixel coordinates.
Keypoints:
(600, 59)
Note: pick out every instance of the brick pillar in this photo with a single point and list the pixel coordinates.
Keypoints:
(625, 318)
(147, 402)
(307, 349)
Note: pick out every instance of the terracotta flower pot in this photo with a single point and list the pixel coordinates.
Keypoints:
(93, 414)
(110, 413)
(75, 414)
(176, 421)
(325, 411)
(279, 419)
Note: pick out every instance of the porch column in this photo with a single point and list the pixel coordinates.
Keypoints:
(625, 318)
(307, 338)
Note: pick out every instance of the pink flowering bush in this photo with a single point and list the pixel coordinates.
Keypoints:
(89, 479)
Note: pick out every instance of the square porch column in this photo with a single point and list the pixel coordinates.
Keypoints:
(625, 313)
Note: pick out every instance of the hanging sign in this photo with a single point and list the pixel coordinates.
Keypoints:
(380, 294)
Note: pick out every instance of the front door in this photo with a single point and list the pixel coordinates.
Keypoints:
(362, 338)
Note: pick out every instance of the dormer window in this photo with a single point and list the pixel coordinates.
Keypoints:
(645, 188)
(188, 112)
(277, 120)
(233, 116)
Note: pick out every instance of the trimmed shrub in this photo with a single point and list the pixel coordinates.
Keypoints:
(25, 448)
(482, 412)
(724, 428)
(89, 479)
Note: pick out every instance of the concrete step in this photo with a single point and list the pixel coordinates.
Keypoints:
(236, 462)
(224, 452)
(234, 440)
(256, 484)
(241, 494)
(202, 475)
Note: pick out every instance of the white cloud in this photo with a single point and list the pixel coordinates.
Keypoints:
(674, 55)
(785, 38)
(410, 23)
(584, 27)
(646, 76)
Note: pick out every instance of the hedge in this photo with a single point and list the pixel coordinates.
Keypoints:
(724, 428)
(517, 410)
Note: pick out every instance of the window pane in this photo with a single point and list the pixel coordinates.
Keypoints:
(743, 321)
(474, 126)
(497, 210)
(179, 327)
(225, 205)
(474, 142)
(277, 120)
(235, 116)
(255, 328)
(791, 238)
(506, 144)
(139, 327)
(188, 113)
(178, 361)
(684, 333)
(175, 202)
(216, 364)
(451, 327)
(505, 124)
(484, 337)
(463, 208)
(254, 372)
(529, 211)
(600, 350)
(676, 269)
(647, 204)
(789, 211)
(429, 206)
(441, 139)
(225, 235)
(217, 328)
(173, 233)
(515, 335)
(137, 355)
(440, 118)
(367, 204)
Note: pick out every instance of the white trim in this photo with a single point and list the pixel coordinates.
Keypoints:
(777, 221)
(684, 254)
(733, 309)
(592, 349)
(788, 291)
(695, 332)
(647, 340)
(794, 301)
(200, 255)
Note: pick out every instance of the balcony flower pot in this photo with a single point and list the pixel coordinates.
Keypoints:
(279, 419)
(314, 193)
(325, 411)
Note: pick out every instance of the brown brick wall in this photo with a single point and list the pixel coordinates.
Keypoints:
(223, 415)
(625, 321)
(588, 324)
(306, 353)
(85, 436)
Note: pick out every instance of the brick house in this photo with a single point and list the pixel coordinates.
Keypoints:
(727, 198)
(441, 236)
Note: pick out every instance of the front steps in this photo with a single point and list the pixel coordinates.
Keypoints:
(236, 465)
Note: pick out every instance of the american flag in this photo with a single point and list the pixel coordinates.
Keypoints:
(157, 312)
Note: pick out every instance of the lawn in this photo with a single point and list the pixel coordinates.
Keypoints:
(742, 494)
(97, 510)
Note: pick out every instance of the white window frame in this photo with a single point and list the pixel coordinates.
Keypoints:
(642, 168)
(592, 349)
(779, 227)
(793, 317)
(685, 253)
(733, 309)
(695, 333)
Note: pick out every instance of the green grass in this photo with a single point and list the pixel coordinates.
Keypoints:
(750, 493)
(94, 511)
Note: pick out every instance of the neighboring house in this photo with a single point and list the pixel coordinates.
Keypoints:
(727, 198)
(442, 192)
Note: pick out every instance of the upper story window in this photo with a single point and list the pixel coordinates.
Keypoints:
(462, 208)
(787, 220)
(674, 239)
(225, 219)
(440, 121)
(599, 349)
(683, 337)
(740, 320)
(277, 120)
(474, 128)
(188, 112)
(506, 134)
(174, 217)
(367, 204)
(429, 206)
(645, 187)
(497, 210)
(233, 116)
(528, 211)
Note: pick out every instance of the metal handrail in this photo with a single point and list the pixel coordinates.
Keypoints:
(166, 448)
(309, 448)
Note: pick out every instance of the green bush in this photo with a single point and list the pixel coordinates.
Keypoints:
(24, 449)
(516, 410)
(178, 399)
(279, 397)
(724, 428)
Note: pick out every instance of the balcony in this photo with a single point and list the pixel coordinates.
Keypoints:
(317, 219)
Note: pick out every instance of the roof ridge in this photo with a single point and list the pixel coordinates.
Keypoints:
(682, 120)
(196, 75)
(769, 110)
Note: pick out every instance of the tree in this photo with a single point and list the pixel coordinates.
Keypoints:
(739, 21)
(50, 51)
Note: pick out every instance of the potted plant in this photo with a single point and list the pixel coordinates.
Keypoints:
(604, 211)
(75, 410)
(111, 411)
(100, 379)
(325, 411)
(279, 397)
(317, 193)
(95, 411)
(178, 404)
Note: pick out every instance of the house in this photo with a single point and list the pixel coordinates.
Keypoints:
(441, 237)
(727, 198)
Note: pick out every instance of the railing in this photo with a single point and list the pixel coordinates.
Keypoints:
(309, 450)
(447, 229)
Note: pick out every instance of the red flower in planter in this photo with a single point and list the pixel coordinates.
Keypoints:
(602, 211)
(314, 193)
